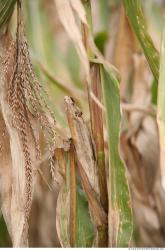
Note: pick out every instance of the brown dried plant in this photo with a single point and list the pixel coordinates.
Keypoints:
(27, 101)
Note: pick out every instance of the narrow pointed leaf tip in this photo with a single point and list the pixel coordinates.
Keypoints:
(136, 18)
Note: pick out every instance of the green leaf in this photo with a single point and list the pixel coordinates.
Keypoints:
(119, 207)
(154, 91)
(5, 240)
(6, 10)
(100, 40)
(85, 228)
(38, 26)
(104, 13)
(135, 16)
(73, 65)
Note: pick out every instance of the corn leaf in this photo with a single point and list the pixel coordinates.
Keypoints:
(104, 13)
(120, 215)
(135, 16)
(62, 217)
(6, 10)
(100, 40)
(4, 239)
(85, 229)
(161, 109)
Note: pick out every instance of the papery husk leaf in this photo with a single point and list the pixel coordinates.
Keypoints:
(86, 162)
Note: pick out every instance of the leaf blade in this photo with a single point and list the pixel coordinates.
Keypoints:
(6, 10)
(135, 16)
(120, 214)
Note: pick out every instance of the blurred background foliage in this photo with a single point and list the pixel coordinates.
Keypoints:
(57, 65)
(54, 57)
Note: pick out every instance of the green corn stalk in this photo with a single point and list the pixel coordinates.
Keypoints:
(73, 200)
(135, 16)
(96, 114)
(96, 118)
(120, 213)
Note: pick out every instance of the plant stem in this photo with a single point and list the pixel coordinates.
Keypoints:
(98, 136)
(96, 119)
(72, 197)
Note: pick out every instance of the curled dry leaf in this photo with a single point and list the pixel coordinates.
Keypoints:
(67, 205)
(141, 155)
(62, 216)
(140, 147)
(82, 141)
(124, 45)
(86, 161)
(74, 226)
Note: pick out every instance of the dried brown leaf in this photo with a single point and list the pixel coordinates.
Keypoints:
(86, 162)
(73, 199)
(5, 176)
(62, 216)
(82, 141)
(18, 218)
(140, 147)
(96, 114)
(124, 48)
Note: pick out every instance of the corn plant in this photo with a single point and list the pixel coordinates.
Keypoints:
(82, 140)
